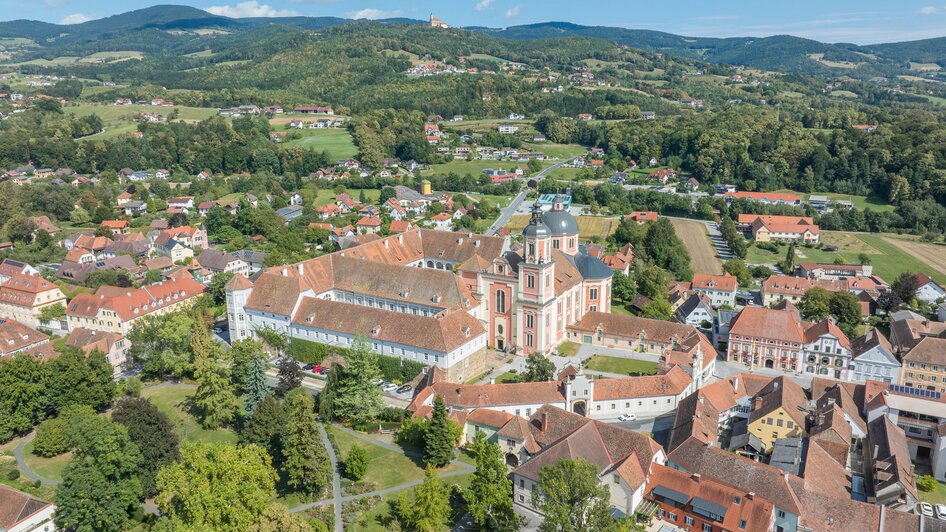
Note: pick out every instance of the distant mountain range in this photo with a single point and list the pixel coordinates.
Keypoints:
(784, 53)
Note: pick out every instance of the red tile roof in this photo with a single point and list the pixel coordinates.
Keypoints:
(132, 303)
(714, 282)
(762, 322)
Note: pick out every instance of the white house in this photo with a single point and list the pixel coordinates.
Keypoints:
(928, 290)
(874, 358)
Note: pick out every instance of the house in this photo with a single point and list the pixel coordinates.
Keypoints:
(874, 358)
(117, 227)
(114, 309)
(368, 224)
(134, 208)
(720, 289)
(767, 198)
(114, 346)
(538, 137)
(254, 260)
(724, 188)
(696, 310)
(928, 290)
(290, 213)
(692, 184)
(778, 288)
(442, 221)
(22, 512)
(768, 228)
(891, 478)
(313, 110)
(663, 175)
(23, 296)
(217, 261)
(778, 411)
(189, 236)
(185, 202)
(400, 226)
(641, 217)
(688, 500)
(822, 270)
(924, 365)
(162, 174)
(508, 129)
(16, 338)
(295, 199)
(203, 208)
(585, 117)
(10, 267)
(43, 223)
(123, 198)
(648, 115)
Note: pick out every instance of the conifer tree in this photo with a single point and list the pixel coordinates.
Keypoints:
(439, 440)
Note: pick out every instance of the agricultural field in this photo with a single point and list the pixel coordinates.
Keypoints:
(925, 67)
(933, 255)
(558, 151)
(844, 94)
(337, 142)
(588, 226)
(702, 253)
(119, 119)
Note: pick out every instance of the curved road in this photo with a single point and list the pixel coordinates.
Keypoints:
(513, 206)
(30, 474)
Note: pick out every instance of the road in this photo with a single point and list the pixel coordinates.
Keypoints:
(506, 214)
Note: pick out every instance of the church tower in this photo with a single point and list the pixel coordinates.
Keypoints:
(536, 285)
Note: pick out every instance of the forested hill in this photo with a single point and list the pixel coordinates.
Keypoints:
(174, 30)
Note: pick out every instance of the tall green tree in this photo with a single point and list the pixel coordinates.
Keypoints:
(356, 463)
(214, 401)
(255, 388)
(666, 250)
(306, 461)
(539, 368)
(216, 487)
(265, 427)
(489, 496)
(439, 441)
(161, 344)
(242, 352)
(354, 395)
(100, 488)
(846, 309)
(571, 497)
(22, 394)
(74, 378)
(623, 287)
(788, 264)
(289, 377)
(429, 508)
(814, 305)
(151, 430)
(217, 287)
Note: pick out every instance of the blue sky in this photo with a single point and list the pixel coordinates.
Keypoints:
(858, 21)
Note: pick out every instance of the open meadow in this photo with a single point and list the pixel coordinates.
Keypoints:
(702, 253)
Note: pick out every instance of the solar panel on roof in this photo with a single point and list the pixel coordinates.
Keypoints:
(920, 392)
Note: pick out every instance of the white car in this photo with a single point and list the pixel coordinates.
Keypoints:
(941, 511)
(926, 509)
(377, 382)
(627, 417)
(388, 386)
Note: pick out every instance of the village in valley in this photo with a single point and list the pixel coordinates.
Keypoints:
(315, 314)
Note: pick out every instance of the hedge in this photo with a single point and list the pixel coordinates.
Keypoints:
(392, 368)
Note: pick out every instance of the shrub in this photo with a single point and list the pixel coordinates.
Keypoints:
(926, 483)
(392, 413)
(308, 352)
(356, 463)
(53, 436)
(412, 433)
(397, 370)
(13, 474)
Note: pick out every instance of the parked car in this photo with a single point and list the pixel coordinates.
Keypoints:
(377, 382)
(941, 511)
(308, 367)
(926, 509)
(388, 386)
(404, 389)
(627, 417)
(218, 330)
(317, 369)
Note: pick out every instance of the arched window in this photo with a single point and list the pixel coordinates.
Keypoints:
(500, 301)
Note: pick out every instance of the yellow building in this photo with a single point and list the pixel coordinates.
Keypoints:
(778, 411)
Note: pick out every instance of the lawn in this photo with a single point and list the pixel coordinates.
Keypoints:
(336, 141)
(324, 196)
(171, 400)
(568, 349)
(624, 366)
(50, 468)
(560, 151)
(860, 202)
(376, 519)
(887, 259)
(119, 119)
(386, 468)
(474, 167)
(937, 496)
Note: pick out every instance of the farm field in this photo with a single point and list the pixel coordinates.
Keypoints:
(934, 256)
(337, 142)
(119, 119)
(588, 226)
(702, 254)
(560, 151)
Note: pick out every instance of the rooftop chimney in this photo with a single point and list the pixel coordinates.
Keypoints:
(750, 495)
(285, 272)
(299, 268)
(695, 477)
(757, 403)
(544, 421)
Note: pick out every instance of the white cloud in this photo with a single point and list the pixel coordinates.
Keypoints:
(928, 10)
(374, 14)
(76, 18)
(482, 5)
(514, 11)
(251, 8)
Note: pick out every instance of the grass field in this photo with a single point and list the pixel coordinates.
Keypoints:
(119, 119)
(568, 349)
(624, 366)
(326, 196)
(937, 496)
(171, 400)
(337, 142)
(890, 254)
(560, 151)
(588, 226)
(860, 202)
(924, 67)
(702, 254)
(50, 468)
(377, 519)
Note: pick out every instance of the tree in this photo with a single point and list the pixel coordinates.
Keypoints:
(216, 487)
(217, 287)
(658, 309)
(289, 376)
(100, 488)
(863, 259)
(666, 250)
(51, 313)
(53, 436)
(439, 440)
(20, 229)
(652, 282)
(242, 353)
(255, 388)
(846, 309)
(161, 344)
(623, 288)
(905, 287)
(571, 497)
(22, 394)
(489, 496)
(788, 265)
(276, 518)
(214, 401)
(151, 430)
(429, 508)
(926, 483)
(74, 378)
(356, 463)
(538, 368)
(306, 461)
(354, 395)
(265, 427)
(814, 305)
(737, 268)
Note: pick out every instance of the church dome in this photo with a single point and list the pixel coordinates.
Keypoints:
(560, 222)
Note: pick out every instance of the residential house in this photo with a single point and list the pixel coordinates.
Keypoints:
(162, 174)
(767, 228)
(290, 213)
(114, 346)
(134, 208)
(369, 224)
(203, 208)
(117, 227)
(508, 129)
(400, 226)
(254, 260)
(10, 267)
(663, 175)
(924, 365)
(16, 338)
(874, 358)
(928, 290)
(778, 411)
(720, 289)
(115, 309)
(184, 203)
(822, 270)
(891, 478)
(24, 296)
(123, 198)
(642, 216)
(778, 288)
(442, 221)
(217, 261)
(696, 310)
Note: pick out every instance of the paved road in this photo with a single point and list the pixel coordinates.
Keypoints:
(336, 479)
(513, 206)
(30, 474)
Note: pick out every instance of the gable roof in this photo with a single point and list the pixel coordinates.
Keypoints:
(706, 281)
(16, 507)
(784, 393)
